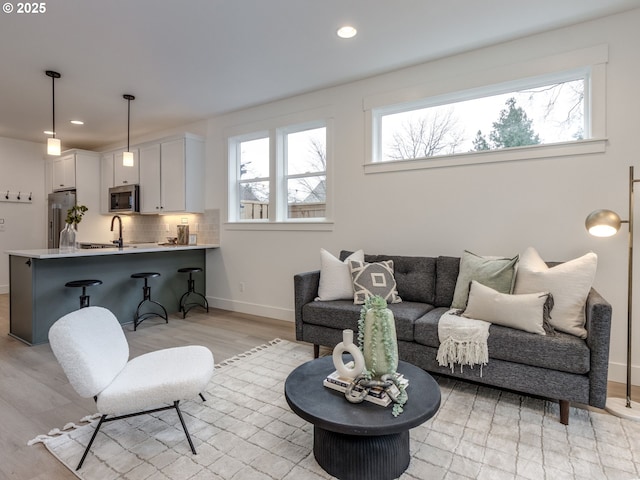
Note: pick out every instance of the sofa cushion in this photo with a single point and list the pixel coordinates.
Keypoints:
(527, 312)
(342, 314)
(497, 273)
(569, 283)
(563, 352)
(415, 276)
(373, 279)
(335, 276)
(447, 269)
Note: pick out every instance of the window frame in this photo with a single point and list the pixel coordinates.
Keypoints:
(276, 130)
(589, 64)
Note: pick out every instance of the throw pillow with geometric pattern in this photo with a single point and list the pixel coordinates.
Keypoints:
(373, 279)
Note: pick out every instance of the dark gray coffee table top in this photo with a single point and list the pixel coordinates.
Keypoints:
(328, 409)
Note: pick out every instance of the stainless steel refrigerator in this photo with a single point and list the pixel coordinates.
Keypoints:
(59, 204)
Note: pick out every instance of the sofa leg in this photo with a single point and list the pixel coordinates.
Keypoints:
(316, 351)
(564, 412)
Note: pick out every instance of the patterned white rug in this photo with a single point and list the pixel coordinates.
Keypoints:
(246, 431)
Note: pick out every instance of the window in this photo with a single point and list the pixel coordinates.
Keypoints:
(279, 175)
(541, 114)
(306, 172)
(547, 112)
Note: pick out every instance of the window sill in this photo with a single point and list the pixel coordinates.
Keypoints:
(311, 226)
(581, 147)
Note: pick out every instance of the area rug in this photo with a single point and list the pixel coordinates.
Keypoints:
(246, 431)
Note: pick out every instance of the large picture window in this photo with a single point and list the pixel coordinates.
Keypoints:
(540, 114)
(540, 108)
(279, 175)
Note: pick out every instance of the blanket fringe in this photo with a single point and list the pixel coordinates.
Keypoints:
(452, 351)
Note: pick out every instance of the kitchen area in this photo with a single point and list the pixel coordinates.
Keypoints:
(148, 216)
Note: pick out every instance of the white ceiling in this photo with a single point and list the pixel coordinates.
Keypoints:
(192, 59)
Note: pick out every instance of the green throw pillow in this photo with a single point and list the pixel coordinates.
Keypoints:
(496, 273)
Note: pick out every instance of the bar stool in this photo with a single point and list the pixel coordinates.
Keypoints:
(185, 306)
(138, 318)
(84, 298)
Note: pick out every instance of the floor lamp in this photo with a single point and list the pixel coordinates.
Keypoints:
(605, 223)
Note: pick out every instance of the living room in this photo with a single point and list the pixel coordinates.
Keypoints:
(490, 208)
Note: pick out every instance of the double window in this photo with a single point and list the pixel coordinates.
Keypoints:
(279, 175)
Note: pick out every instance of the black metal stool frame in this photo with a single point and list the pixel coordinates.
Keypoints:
(84, 298)
(184, 306)
(138, 318)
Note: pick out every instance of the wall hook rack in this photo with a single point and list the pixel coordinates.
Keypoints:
(15, 197)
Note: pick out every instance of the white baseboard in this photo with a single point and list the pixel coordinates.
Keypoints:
(618, 373)
(252, 309)
(4, 289)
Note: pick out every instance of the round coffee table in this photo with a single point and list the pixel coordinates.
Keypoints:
(359, 441)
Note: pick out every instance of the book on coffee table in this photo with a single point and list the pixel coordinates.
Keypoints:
(375, 395)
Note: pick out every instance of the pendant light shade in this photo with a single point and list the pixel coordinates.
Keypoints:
(53, 143)
(127, 157)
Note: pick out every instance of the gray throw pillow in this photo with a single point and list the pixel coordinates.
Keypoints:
(371, 279)
(496, 273)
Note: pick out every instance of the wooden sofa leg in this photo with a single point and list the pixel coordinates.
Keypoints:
(316, 351)
(564, 412)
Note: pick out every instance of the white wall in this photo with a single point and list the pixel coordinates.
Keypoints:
(22, 168)
(491, 209)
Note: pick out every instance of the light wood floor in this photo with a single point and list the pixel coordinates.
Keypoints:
(35, 395)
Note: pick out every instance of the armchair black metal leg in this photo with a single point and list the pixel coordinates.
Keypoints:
(95, 432)
(184, 426)
(202, 397)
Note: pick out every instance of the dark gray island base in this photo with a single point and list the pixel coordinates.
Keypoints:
(38, 296)
(362, 441)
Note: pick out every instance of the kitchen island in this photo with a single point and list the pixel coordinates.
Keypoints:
(38, 296)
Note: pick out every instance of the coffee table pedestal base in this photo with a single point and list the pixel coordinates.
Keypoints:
(350, 457)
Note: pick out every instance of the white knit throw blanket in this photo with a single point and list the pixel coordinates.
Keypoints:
(463, 341)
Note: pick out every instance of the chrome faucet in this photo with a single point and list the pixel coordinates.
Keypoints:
(119, 241)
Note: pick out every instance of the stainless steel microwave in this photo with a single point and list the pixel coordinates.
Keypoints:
(124, 199)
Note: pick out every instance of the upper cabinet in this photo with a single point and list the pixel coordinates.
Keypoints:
(172, 175)
(64, 172)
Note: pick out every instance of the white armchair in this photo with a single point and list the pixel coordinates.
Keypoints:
(91, 347)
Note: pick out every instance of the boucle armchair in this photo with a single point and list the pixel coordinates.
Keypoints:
(91, 347)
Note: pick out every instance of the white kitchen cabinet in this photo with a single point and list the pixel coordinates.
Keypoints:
(106, 181)
(171, 175)
(125, 175)
(64, 172)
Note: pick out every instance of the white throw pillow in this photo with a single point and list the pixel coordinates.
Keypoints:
(569, 283)
(335, 276)
(524, 312)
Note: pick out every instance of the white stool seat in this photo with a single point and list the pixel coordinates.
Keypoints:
(159, 377)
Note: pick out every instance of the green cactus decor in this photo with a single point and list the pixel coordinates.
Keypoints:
(377, 337)
(379, 345)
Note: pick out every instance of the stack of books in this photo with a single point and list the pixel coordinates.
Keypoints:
(375, 395)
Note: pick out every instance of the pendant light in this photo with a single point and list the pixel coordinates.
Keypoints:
(53, 143)
(127, 157)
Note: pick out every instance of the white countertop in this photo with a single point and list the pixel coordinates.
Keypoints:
(93, 252)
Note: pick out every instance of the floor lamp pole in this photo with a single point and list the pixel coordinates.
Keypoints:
(626, 408)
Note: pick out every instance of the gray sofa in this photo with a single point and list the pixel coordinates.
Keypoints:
(561, 367)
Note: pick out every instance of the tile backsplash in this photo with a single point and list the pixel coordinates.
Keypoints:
(156, 228)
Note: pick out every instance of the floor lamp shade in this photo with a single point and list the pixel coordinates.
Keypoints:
(605, 223)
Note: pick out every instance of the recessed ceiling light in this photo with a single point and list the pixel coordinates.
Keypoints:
(77, 122)
(347, 32)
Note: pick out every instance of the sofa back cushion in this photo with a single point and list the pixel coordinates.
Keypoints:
(415, 276)
(447, 269)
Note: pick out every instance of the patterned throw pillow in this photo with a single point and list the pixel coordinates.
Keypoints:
(373, 279)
